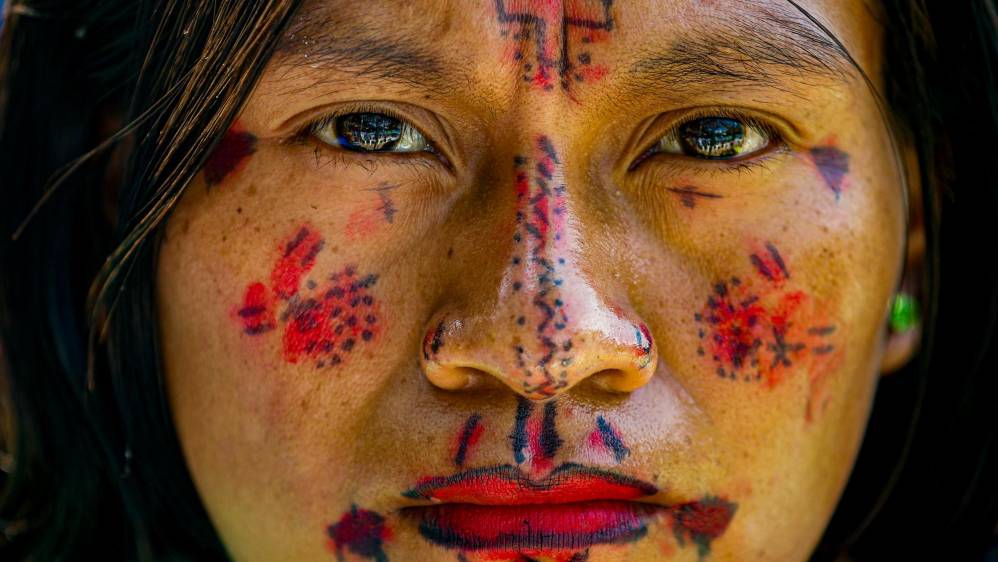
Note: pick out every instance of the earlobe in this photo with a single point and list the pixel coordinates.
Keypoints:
(904, 330)
(904, 334)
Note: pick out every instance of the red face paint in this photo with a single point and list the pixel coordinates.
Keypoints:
(296, 261)
(508, 485)
(327, 326)
(548, 527)
(229, 156)
(552, 40)
(702, 521)
(535, 441)
(257, 312)
(539, 237)
(433, 340)
(360, 532)
(605, 436)
(755, 330)
(470, 434)
(322, 322)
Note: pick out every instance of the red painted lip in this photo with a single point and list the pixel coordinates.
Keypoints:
(554, 527)
(507, 485)
(573, 507)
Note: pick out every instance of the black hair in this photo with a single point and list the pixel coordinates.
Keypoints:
(93, 469)
(100, 475)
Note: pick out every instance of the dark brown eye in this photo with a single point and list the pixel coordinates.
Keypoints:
(370, 132)
(715, 138)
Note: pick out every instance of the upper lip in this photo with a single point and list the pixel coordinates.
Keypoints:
(508, 485)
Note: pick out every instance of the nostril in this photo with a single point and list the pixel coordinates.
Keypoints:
(621, 380)
(458, 377)
(449, 377)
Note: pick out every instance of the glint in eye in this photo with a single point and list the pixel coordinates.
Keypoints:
(715, 138)
(370, 132)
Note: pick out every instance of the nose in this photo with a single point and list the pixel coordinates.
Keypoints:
(547, 325)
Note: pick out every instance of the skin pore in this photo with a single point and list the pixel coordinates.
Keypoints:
(536, 280)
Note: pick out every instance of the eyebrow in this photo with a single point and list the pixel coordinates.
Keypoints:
(329, 38)
(764, 49)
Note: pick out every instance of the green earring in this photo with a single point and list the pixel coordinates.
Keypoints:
(904, 312)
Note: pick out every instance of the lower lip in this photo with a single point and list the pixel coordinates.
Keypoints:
(545, 526)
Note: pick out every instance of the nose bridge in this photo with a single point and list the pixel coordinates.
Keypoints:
(551, 328)
(538, 268)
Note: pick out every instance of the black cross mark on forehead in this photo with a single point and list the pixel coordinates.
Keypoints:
(543, 29)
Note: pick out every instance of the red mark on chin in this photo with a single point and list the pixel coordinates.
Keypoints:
(525, 555)
(702, 521)
(229, 156)
(360, 532)
(325, 321)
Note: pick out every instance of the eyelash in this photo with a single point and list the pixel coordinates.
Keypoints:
(307, 135)
(751, 161)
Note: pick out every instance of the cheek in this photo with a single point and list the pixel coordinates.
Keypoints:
(321, 319)
(763, 328)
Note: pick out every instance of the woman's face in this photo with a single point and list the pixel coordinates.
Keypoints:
(537, 280)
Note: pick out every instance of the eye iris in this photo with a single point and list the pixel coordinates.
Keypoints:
(368, 131)
(713, 137)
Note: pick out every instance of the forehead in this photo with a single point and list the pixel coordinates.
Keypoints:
(553, 44)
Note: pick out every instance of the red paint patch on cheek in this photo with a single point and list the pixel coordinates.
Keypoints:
(257, 313)
(324, 322)
(361, 224)
(230, 156)
(295, 263)
(760, 331)
(334, 321)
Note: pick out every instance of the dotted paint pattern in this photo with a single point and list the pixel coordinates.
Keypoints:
(757, 334)
(322, 322)
(546, 352)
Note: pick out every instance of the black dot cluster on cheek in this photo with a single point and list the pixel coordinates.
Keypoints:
(332, 321)
(743, 352)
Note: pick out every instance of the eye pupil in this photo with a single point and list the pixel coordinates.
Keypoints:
(368, 131)
(713, 137)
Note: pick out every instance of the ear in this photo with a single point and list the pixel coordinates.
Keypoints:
(901, 346)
